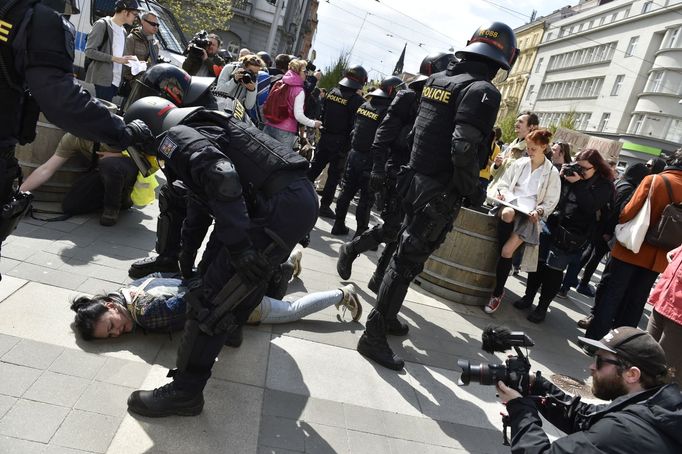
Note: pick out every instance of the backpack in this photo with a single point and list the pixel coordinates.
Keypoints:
(276, 108)
(667, 234)
(87, 61)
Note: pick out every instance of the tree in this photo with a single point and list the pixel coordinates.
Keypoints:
(567, 120)
(195, 15)
(506, 124)
(331, 75)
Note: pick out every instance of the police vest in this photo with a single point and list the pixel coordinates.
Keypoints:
(339, 109)
(435, 122)
(406, 107)
(367, 119)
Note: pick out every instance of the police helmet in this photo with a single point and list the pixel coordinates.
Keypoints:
(65, 7)
(496, 42)
(355, 77)
(388, 87)
(432, 64)
(159, 114)
(167, 81)
(267, 59)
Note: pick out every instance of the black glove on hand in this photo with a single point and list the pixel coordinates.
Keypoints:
(252, 266)
(137, 133)
(377, 181)
(186, 262)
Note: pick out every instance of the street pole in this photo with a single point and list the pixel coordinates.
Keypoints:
(273, 27)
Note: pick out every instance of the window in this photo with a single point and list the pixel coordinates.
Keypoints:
(632, 45)
(614, 16)
(617, 84)
(636, 124)
(647, 7)
(674, 131)
(590, 24)
(672, 37)
(580, 27)
(601, 20)
(655, 82)
(531, 89)
(627, 13)
(549, 36)
(537, 68)
(604, 120)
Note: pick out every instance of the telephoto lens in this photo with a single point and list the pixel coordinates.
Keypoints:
(483, 374)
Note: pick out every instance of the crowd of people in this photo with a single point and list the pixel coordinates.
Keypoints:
(229, 137)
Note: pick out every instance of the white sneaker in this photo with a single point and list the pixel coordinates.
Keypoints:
(494, 304)
(295, 260)
(350, 302)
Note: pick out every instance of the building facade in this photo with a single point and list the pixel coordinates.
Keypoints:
(251, 22)
(616, 67)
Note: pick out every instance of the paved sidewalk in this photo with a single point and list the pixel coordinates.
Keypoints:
(300, 387)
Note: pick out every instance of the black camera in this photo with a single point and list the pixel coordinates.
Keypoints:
(198, 42)
(573, 169)
(249, 77)
(515, 372)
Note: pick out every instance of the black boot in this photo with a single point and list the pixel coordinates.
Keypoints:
(158, 264)
(397, 327)
(340, 228)
(235, 337)
(373, 344)
(167, 400)
(344, 265)
(538, 315)
(327, 212)
(524, 303)
(375, 282)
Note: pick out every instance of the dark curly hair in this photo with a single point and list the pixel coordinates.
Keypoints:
(595, 158)
(89, 310)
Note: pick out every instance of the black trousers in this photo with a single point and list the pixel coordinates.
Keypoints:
(9, 172)
(332, 149)
(105, 187)
(356, 178)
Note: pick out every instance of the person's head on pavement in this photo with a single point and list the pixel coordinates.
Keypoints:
(101, 316)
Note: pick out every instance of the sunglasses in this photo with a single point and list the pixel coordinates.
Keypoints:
(599, 361)
(153, 24)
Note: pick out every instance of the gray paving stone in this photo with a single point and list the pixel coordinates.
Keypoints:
(29, 353)
(33, 421)
(77, 363)
(89, 431)
(464, 437)
(7, 342)
(246, 364)
(10, 445)
(367, 443)
(122, 372)
(279, 432)
(54, 449)
(89, 269)
(18, 252)
(58, 278)
(47, 260)
(322, 411)
(325, 439)
(269, 450)
(57, 389)
(9, 285)
(283, 404)
(7, 264)
(6, 402)
(16, 379)
(364, 419)
(105, 398)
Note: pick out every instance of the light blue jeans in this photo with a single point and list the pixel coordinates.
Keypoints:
(276, 311)
(285, 137)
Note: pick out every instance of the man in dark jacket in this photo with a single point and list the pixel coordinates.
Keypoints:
(645, 415)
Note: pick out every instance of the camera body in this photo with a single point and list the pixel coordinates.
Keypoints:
(515, 372)
(248, 77)
(199, 42)
(573, 169)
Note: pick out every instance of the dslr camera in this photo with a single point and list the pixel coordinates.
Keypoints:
(198, 42)
(249, 77)
(573, 169)
(515, 372)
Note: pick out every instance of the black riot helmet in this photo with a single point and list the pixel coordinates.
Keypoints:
(355, 77)
(496, 42)
(267, 59)
(388, 87)
(434, 63)
(65, 7)
(163, 80)
(158, 114)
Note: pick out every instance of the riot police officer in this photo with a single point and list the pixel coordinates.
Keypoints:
(36, 74)
(263, 204)
(456, 113)
(339, 107)
(390, 151)
(356, 176)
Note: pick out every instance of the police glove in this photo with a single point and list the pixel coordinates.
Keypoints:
(186, 263)
(251, 265)
(137, 133)
(377, 181)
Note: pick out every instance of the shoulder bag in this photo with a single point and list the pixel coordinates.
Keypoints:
(631, 234)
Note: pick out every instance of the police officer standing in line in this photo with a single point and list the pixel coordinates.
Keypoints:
(36, 74)
(340, 106)
(390, 151)
(456, 114)
(356, 177)
(263, 204)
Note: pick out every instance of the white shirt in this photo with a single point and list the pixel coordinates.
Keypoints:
(526, 189)
(117, 50)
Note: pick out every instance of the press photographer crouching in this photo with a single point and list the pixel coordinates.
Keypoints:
(586, 188)
(202, 55)
(644, 415)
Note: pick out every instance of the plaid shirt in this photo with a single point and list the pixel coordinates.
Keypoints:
(160, 306)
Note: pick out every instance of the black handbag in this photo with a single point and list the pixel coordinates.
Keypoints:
(667, 233)
(568, 241)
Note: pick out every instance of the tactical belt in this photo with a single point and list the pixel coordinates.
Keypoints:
(281, 180)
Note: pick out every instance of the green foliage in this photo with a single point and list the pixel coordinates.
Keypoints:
(195, 15)
(506, 124)
(566, 121)
(331, 75)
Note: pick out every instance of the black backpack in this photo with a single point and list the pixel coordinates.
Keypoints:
(87, 62)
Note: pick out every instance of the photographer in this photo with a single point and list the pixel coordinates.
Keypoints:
(630, 369)
(238, 80)
(202, 55)
(586, 189)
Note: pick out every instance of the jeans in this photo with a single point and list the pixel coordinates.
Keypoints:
(286, 137)
(276, 311)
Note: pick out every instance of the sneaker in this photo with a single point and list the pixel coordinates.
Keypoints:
(563, 293)
(350, 302)
(109, 217)
(167, 400)
(585, 289)
(295, 260)
(585, 322)
(493, 304)
(326, 212)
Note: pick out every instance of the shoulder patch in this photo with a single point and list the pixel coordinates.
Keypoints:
(167, 147)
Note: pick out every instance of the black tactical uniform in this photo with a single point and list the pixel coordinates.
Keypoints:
(456, 114)
(356, 176)
(263, 204)
(36, 74)
(339, 107)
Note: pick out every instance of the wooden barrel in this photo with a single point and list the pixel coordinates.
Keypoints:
(462, 269)
(32, 155)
